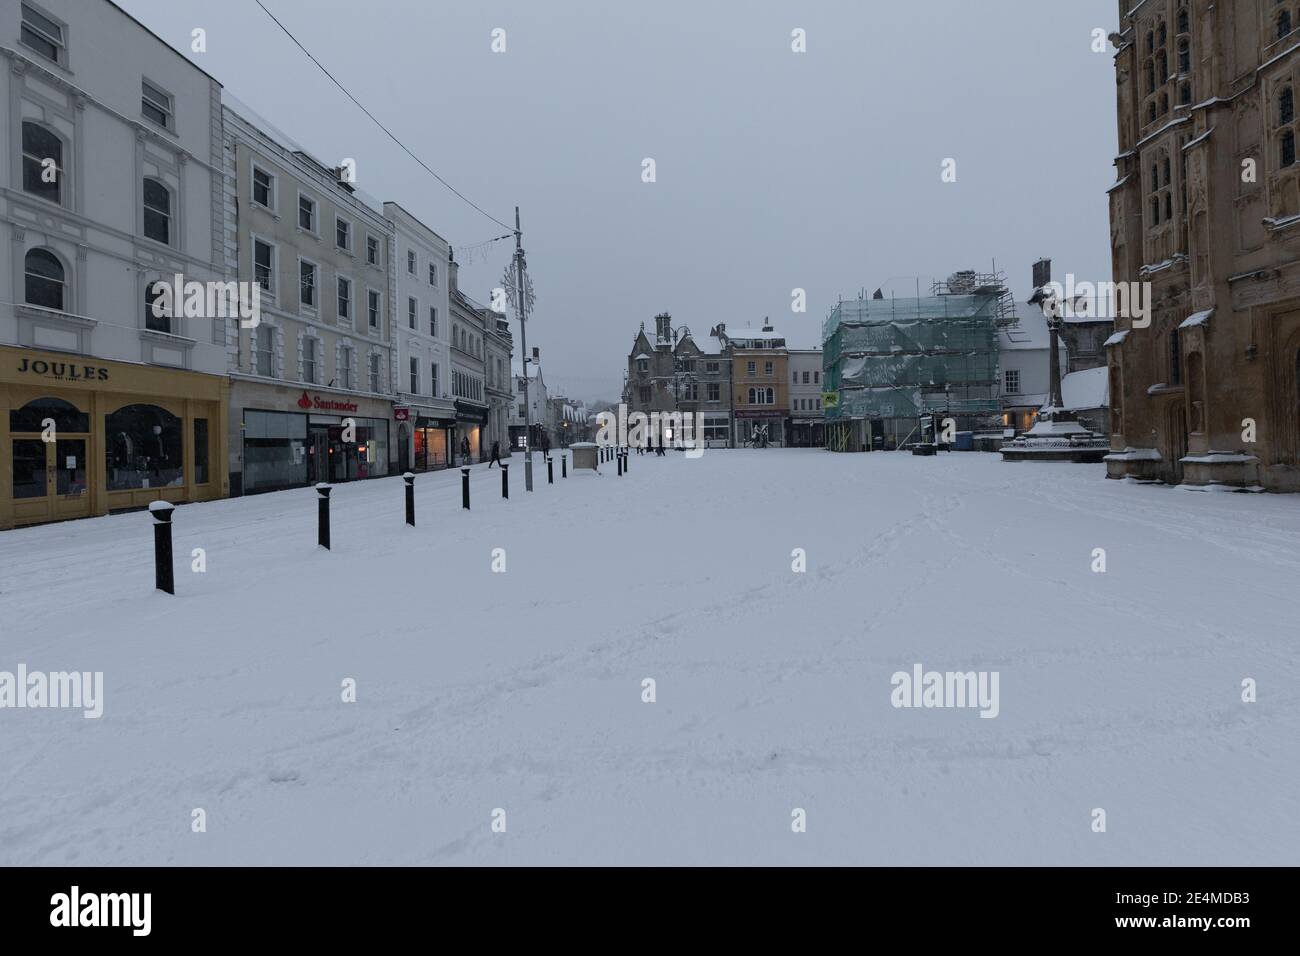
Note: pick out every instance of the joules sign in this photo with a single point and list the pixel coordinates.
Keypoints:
(68, 371)
(316, 403)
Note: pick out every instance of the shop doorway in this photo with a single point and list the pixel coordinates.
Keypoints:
(50, 479)
(50, 469)
(320, 455)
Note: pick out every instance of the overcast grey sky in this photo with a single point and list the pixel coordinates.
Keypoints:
(775, 170)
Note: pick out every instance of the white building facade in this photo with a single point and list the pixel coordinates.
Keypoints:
(112, 184)
(312, 386)
(425, 432)
(805, 428)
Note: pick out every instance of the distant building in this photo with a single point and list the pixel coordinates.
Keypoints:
(676, 371)
(805, 427)
(760, 389)
(529, 420)
(889, 362)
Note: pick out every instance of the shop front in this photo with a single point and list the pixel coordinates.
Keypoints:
(289, 437)
(425, 437)
(470, 420)
(806, 432)
(84, 436)
(760, 429)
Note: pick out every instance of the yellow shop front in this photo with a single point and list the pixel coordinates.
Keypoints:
(82, 436)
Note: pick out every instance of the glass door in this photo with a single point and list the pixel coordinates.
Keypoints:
(50, 479)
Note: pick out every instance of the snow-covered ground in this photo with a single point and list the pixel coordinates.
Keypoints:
(523, 690)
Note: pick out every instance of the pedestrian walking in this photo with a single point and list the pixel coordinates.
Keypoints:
(496, 455)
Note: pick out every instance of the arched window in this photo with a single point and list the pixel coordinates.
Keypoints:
(1162, 67)
(42, 162)
(770, 399)
(1164, 103)
(67, 417)
(157, 211)
(1151, 112)
(1164, 34)
(753, 396)
(1184, 25)
(1184, 56)
(1155, 210)
(1168, 170)
(1151, 42)
(143, 448)
(1175, 358)
(1185, 94)
(1288, 148)
(158, 307)
(1286, 105)
(1283, 23)
(1151, 76)
(45, 280)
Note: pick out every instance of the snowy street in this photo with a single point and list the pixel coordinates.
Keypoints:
(522, 690)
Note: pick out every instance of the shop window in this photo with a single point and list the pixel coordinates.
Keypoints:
(66, 416)
(44, 277)
(157, 211)
(200, 451)
(158, 311)
(28, 468)
(42, 162)
(275, 450)
(143, 448)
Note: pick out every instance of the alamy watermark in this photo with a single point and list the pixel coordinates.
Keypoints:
(1098, 300)
(56, 689)
(203, 300)
(683, 430)
(946, 689)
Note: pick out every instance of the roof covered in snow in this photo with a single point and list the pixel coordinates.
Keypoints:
(1087, 389)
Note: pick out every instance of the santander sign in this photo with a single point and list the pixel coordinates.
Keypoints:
(316, 403)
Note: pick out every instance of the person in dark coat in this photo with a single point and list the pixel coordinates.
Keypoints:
(464, 449)
(496, 454)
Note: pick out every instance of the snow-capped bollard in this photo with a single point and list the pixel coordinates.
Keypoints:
(323, 515)
(627, 459)
(528, 472)
(410, 498)
(550, 471)
(505, 481)
(620, 465)
(464, 488)
(162, 546)
(564, 465)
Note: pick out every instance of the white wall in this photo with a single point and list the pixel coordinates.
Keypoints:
(93, 102)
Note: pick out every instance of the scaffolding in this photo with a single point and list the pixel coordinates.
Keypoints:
(890, 361)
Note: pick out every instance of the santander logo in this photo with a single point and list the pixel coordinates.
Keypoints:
(304, 402)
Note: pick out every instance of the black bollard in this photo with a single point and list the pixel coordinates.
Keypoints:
(410, 498)
(550, 471)
(164, 579)
(464, 488)
(505, 481)
(323, 516)
(620, 466)
(564, 465)
(627, 459)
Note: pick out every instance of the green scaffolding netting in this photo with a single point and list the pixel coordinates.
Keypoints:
(897, 358)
